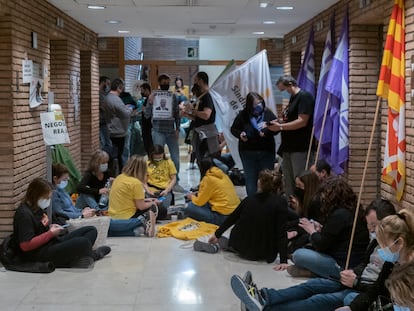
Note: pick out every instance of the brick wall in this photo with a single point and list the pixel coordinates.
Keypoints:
(22, 150)
(368, 27)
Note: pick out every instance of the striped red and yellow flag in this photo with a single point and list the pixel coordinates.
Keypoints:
(391, 86)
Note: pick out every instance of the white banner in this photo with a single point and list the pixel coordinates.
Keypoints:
(54, 128)
(230, 90)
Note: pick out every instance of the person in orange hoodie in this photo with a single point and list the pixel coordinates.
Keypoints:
(216, 197)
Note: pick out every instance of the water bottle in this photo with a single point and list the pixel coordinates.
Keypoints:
(103, 200)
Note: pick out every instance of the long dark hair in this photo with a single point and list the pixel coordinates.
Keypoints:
(337, 193)
(250, 98)
(157, 149)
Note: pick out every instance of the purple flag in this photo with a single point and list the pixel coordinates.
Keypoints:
(323, 100)
(337, 84)
(306, 77)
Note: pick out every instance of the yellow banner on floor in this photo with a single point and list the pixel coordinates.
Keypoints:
(186, 229)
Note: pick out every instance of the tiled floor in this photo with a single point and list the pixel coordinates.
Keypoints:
(140, 274)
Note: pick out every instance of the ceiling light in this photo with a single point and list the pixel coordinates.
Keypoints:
(123, 31)
(96, 7)
(284, 8)
(263, 4)
(113, 22)
(258, 32)
(269, 22)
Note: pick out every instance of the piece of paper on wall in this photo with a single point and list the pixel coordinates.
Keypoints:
(35, 97)
(54, 128)
(27, 70)
(163, 105)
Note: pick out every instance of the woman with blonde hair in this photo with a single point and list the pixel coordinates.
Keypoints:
(400, 284)
(131, 213)
(395, 235)
(94, 182)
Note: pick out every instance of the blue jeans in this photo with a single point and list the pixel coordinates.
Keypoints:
(204, 213)
(85, 200)
(170, 139)
(314, 295)
(255, 161)
(321, 264)
(125, 227)
(293, 165)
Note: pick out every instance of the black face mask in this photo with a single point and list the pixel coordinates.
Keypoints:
(299, 193)
(164, 87)
(143, 95)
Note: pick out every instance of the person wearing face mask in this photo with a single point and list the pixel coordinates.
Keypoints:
(117, 116)
(146, 121)
(256, 140)
(296, 129)
(92, 184)
(395, 236)
(161, 178)
(40, 241)
(400, 284)
(329, 244)
(61, 201)
(203, 115)
(303, 203)
(166, 120)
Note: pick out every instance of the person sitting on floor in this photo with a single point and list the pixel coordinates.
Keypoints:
(161, 178)
(40, 241)
(92, 185)
(259, 231)
(131, 213)
(62, 204)
(303, 203)
(330, 243)
(216, 197)
(320, 293)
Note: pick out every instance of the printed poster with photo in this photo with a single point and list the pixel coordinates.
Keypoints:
(162, 108)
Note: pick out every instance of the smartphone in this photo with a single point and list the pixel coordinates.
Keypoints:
(65, 225)
(161, 199)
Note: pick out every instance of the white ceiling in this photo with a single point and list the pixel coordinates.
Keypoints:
(192, 18)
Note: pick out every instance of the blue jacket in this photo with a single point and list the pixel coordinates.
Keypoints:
(62, 205)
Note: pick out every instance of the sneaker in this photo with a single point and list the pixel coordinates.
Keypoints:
(178, 188)
(297, 272)
(200, 246)
(248, 279)
(191, 166)
(248, 294)
(85, 262)
(101, 252)
(138, 231)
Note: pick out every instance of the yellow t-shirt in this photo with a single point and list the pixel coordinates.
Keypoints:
(124, 191)
(159, 173)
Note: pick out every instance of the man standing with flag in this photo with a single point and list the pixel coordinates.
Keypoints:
(296, 128)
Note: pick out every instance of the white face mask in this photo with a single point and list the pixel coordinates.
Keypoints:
(43, 203)
(103, 167)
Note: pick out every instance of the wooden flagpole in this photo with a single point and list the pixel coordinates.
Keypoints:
(310, 149)
(318, 150)
(362, 183)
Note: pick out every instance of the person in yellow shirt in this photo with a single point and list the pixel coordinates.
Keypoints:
(161, 178)
(216, 197)
(131, 213)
